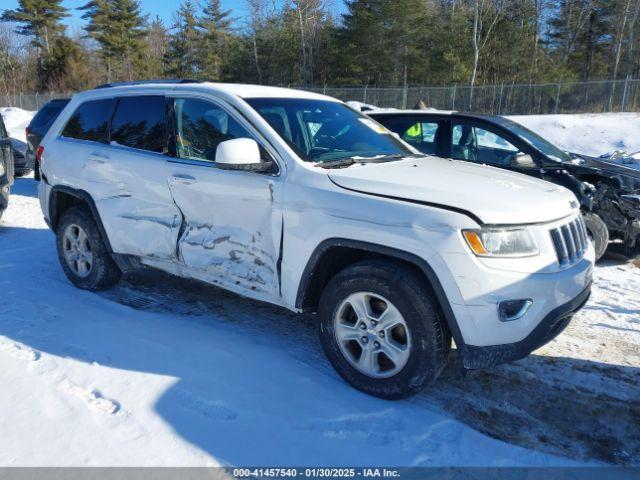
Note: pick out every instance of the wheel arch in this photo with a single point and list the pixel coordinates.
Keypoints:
(335, 254)
(62, 197)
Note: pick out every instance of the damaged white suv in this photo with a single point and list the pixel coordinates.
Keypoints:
(295, 199)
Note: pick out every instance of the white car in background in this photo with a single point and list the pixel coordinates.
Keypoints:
(296, 199)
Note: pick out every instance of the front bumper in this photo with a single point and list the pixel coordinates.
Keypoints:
(474, 357)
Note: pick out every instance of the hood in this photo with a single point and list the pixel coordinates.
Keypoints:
(607, 165)
(493, 195)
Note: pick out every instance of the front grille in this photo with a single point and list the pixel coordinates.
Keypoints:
(570, 241)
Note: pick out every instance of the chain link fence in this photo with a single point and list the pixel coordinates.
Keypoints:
(503, 99)
(30, 101)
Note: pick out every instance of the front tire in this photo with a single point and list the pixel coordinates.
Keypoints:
(598, 233)
(82, 252)
(382, 329)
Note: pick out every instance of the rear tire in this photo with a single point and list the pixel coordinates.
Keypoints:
(598, 233)
(82, 252)
(389, 298)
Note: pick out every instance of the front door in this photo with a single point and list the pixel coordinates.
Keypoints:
(232, 220)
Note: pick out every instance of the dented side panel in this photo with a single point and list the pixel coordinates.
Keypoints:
(231, 227)
(130, 191)
(135, 202)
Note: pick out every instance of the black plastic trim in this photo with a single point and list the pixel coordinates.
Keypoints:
(308, 275)
(473, 357)
(86, 198)
(440, 206)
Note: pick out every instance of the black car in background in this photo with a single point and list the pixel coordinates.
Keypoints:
(609, 192)
(21, 166)
(6, 167)
(38, 127)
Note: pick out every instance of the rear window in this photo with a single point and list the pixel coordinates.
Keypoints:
(90, 121)
(47, 114)
(139, 122)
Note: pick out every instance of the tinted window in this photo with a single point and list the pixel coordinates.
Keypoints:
(139, 122)
(47, 114)
(90, 121)
(201, 126)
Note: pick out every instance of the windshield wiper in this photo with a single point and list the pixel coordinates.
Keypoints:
(346, 162)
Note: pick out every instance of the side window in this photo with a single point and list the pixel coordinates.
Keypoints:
(422, 135)
(139, 122)
(487, 139)
(479, 145)
(201, 126)
(90, 121)
(463, 145)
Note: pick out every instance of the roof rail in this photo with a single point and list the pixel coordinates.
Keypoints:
(147, 82)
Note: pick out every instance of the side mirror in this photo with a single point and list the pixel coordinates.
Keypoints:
(522, 160)
(240, 154)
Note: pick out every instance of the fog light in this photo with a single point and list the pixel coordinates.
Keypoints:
(510, 310)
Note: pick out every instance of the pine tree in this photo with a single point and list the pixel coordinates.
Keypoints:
(118, 27)
(384, 40)
(214, 24)
(40, 19)
(182, 57)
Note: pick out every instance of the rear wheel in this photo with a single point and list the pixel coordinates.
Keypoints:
(598, 233)
(82, 252)
(382, 329)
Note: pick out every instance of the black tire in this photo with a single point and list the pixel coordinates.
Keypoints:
(430, 340)
(598, 233)
(104, 273)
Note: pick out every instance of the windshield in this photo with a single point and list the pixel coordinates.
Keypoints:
(322, 131)
(544, 146)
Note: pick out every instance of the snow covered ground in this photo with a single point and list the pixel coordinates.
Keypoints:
(590, 134)
(160, 371)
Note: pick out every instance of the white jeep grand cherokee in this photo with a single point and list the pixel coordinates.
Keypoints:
(295, 199)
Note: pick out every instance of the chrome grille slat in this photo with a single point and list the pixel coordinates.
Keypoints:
(570, 241)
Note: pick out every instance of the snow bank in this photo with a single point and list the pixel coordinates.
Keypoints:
(16, 120)
(590, 134)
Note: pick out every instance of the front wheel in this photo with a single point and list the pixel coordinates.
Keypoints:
(598, 233)
(382, 329)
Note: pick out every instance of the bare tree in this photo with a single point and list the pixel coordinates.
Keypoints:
(255, 24)
(486, 14)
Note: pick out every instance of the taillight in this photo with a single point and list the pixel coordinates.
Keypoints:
(39, 153)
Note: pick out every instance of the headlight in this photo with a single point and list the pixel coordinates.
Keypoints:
(501, 242)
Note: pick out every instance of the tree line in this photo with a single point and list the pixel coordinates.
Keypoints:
(304, 43)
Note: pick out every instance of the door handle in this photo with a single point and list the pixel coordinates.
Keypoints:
(183, 179)
(98, 158)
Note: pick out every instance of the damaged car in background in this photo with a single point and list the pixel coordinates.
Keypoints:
(608, 189)
(295, 199)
